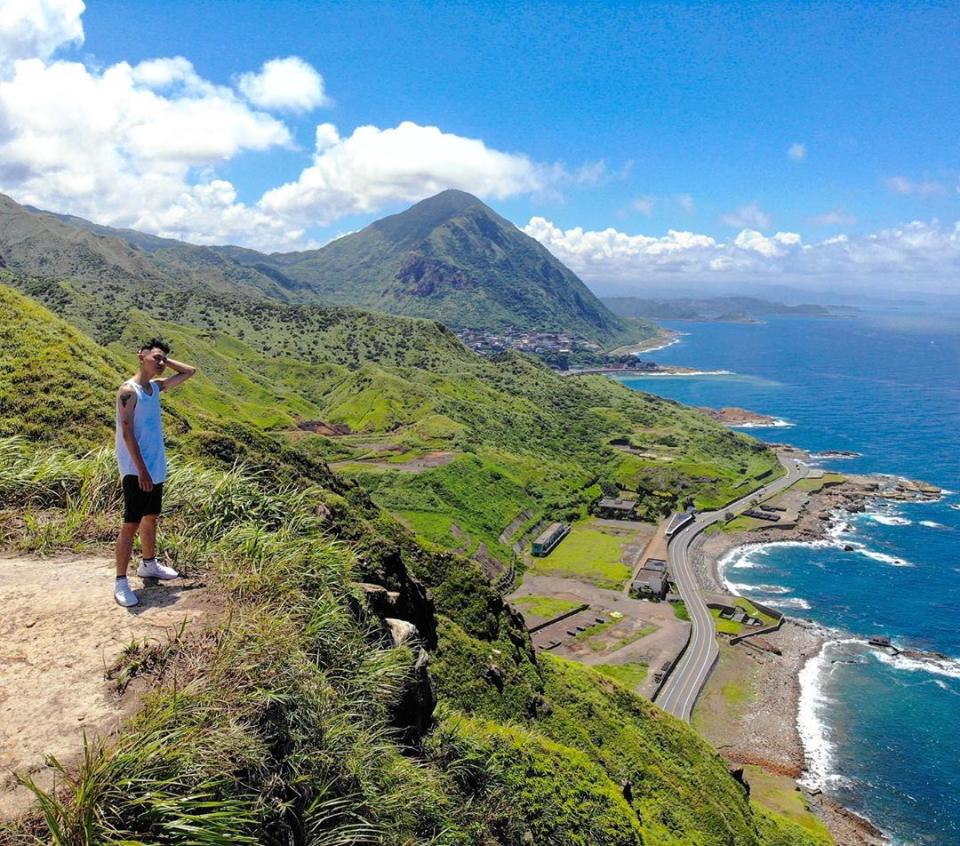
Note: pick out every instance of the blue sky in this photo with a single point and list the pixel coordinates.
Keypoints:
(815, 120)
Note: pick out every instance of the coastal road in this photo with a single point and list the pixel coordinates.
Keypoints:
(682, 687)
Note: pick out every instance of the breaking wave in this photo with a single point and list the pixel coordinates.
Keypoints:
(948, 667)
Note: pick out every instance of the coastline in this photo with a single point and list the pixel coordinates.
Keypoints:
(780, 676)
(666, 338)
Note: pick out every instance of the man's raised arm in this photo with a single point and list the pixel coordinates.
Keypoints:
(184, 372)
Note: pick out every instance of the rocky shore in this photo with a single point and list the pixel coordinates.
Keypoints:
(762, 734)
(742, 418)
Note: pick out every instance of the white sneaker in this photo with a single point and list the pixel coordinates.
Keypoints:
(153, 569)
(123, 593)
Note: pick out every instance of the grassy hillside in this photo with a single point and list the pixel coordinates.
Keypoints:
(303, 721)
(523, 438)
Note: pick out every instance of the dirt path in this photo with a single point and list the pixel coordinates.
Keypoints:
(59, 631)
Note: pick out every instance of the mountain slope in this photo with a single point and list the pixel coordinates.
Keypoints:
(449, 257)
(48, 245)
(453, 258)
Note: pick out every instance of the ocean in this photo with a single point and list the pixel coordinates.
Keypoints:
(882, 734)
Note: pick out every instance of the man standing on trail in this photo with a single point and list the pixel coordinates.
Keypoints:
(142, 459)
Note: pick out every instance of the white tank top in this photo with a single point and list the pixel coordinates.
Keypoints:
(148, 430)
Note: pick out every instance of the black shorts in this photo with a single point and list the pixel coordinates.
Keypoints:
(137, 503)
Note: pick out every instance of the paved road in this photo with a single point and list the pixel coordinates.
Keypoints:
(683, 686)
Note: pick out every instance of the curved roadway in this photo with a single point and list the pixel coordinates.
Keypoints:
(682, 687)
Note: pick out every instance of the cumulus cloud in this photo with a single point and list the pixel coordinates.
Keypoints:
(140, 145)
(289, 84)
(748, 216)
(834, 217)
(922, 187)
(797, 151)
(132, 146)
(371, 167)
(34, 29)
(918, 252)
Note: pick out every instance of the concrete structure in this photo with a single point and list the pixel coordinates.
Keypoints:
(649, 584)
(615, 507)
(549, 538)
(677, 522)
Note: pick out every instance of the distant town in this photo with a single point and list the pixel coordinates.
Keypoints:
(562, 351)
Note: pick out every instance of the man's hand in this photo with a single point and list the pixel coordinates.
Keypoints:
(145, 480)
(184, 372)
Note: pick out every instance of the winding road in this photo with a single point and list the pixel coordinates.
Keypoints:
(679, 694)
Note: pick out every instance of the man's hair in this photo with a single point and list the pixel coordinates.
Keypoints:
(157, 343)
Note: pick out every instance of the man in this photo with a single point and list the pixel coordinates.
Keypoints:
(142, 460)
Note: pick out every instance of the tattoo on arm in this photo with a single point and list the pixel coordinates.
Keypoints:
(124, 399)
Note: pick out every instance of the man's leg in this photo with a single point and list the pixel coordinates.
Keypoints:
(122, 592)
(150, 568)
(148, 536)
(128, 531)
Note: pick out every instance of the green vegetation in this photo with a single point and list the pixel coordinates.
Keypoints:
(588, 552)
(528, 439)
(815, 485)
(545, 607)
(630, 674)
(779, 793)
(737, 693)
(592, 635)
(680, 610)
(433, 260)
(728, 626)
(633, 636)
(724, 626)
(300, 720)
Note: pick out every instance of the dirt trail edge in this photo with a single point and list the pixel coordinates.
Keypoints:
(60, 630)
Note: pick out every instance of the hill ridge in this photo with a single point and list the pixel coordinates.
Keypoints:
(449, 257)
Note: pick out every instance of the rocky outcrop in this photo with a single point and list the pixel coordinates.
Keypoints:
(731, 416)
(413, 712)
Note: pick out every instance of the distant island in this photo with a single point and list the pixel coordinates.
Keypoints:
(717, 309)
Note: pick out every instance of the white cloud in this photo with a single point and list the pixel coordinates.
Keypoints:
(778, 245)
(926, 252)
(132, 146)
(922, 188)
(644, 205)
(34, 29)
(289, 84)
(797, 151)
(834, 217)
(748, 216)
(373, 167)
(686, 202)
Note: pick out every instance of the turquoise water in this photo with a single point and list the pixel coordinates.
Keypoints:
(882, 734)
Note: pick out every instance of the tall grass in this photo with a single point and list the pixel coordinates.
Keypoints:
(286, 735)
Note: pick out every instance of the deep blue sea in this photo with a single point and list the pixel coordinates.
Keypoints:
(882, 734)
